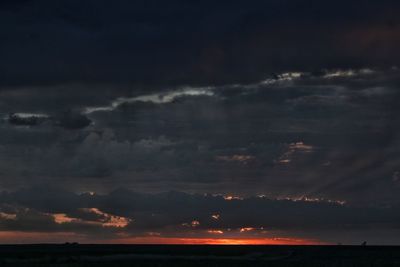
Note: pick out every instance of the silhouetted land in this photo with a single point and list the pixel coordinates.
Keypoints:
(174, 255)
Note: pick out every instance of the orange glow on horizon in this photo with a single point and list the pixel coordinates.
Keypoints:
(16, 237)
(216, 241)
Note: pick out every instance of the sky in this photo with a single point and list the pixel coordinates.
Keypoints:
(200, 122)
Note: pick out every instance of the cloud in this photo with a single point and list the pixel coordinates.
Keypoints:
(67, 120)
(159, 98)
(72, 121)
(94, 217)
(227, 42)
(278, 139)
(177, 214)
(26, 119)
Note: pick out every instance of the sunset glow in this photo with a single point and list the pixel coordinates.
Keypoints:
(153, 238)
(219, 232)
(215, 216)
(246, 229)
(219, 241)
(229, 197)
(105, 219)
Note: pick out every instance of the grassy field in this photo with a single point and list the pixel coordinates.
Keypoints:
(149, 255)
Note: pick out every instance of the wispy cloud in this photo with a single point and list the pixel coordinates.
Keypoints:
(157, 98)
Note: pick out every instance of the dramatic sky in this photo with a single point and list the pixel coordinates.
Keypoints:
(212, 121)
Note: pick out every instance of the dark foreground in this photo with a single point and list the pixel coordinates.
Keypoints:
(171, 255)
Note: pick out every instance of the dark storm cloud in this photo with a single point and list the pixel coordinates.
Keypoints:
(71, 120)
(160, 43)
(173, 213)
(333, 134)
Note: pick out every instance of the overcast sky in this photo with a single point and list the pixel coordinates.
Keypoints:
(200, 121)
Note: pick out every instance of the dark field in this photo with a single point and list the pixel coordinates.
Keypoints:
(172, 255)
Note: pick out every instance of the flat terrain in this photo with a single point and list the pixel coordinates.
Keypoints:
(174, 255)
